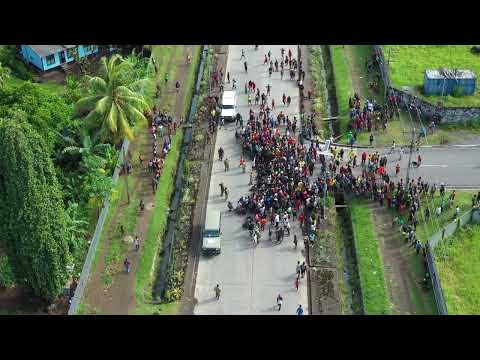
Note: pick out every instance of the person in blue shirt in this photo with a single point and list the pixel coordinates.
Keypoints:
(299, 310)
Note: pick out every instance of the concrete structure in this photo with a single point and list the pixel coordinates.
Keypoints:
(444, 82)
(47, 57)
(250, 277)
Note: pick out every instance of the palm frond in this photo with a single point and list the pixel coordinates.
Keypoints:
(124, 126)
(86, 104)
(111, 119)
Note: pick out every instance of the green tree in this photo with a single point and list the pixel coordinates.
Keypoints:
(4, 74)
(115, 102)
(31, 208)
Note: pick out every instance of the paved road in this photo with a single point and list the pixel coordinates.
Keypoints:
(453, 166)
(250, 277)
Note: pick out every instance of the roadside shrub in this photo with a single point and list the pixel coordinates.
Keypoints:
(8, 57)
(7, 278)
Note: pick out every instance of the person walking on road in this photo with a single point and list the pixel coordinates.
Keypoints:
(177, 86)
(371, 139)
(397, 169)
(228, 77)
(217, 292)
(279, 301)
(298, 269)
(303, 269)
(297, 283)
(289, 100)
(265, 61)
(127, 265)
(299, 310)
(222, 189)
(268, 89)
(281, 73)
(284, 99)
(226, 162)
(226, 193)
(220, 153)
(245, 66)
(136, 243)
(243, 55)
(273, 104)
(295, 241)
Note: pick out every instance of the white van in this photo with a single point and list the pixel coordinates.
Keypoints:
(211, 236)
(229, 106)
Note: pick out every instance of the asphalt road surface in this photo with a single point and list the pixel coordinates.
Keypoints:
(250, 277)
(454, 166)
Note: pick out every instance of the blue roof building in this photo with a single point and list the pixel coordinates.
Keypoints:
(47, 57)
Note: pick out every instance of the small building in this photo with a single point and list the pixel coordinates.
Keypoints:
(47, 57)
(445, 82)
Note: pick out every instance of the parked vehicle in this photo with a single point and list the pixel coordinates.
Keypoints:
(212, 233)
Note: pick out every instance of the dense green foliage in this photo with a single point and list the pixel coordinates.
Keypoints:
(45, 112)
(369, 262)
(458, 264)
(33, 223)
(7, 277)
(8, 57)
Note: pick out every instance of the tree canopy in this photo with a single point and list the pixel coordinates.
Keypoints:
(114, 102)
(33, 224)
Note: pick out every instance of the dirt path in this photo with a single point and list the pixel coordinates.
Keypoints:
(402, 268)
(120, 297)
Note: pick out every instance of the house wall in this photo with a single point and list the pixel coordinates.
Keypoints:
(31, 57)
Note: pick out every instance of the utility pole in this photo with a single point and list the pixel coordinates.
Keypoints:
(410, 155)
(126, 174)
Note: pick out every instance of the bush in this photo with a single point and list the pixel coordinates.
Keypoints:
(7, 278)
(8, 57)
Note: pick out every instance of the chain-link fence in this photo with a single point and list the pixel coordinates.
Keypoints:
(85, 275)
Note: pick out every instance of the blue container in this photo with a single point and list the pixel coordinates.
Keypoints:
(444, 82)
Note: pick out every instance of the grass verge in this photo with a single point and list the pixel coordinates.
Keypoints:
(343, 86)
(458, 263)
(370, 267)
(409, 62)
(157, 227)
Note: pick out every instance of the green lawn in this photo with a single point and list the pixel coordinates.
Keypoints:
(458, 264)
(369, 262)
(343, 86)
(409, 62)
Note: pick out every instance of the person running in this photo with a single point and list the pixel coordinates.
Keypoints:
(295, 241)
(243, 55)
(268, 89)
(298, 269)
(222, 189)
(419, 160)
(265, 61)
(166, 77)
(371, 139)
(299, 310)
(297, 283)
(284, 99)
(397, 169)
(220, 153)
(228, 77)
(273, 104)
(217, 292)
(281, 74)
(279, 302)
(226, 193)
(226, 162)
(289, 100)
(245, 66)
(177, 86)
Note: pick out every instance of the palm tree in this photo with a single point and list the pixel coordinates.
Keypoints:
(115, 102)
(4, 74)
(86, 146)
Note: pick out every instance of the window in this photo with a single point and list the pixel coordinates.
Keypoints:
(88, 48)
(50, 59)
(72, 52)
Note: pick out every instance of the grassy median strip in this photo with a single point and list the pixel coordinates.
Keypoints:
(369, 262)
(458, 264)
(343, 85)
(158, 224)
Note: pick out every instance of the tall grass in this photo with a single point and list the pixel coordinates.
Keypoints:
(370, 266)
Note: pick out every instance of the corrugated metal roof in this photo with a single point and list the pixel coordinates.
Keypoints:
(444, 73)
(45, 50)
